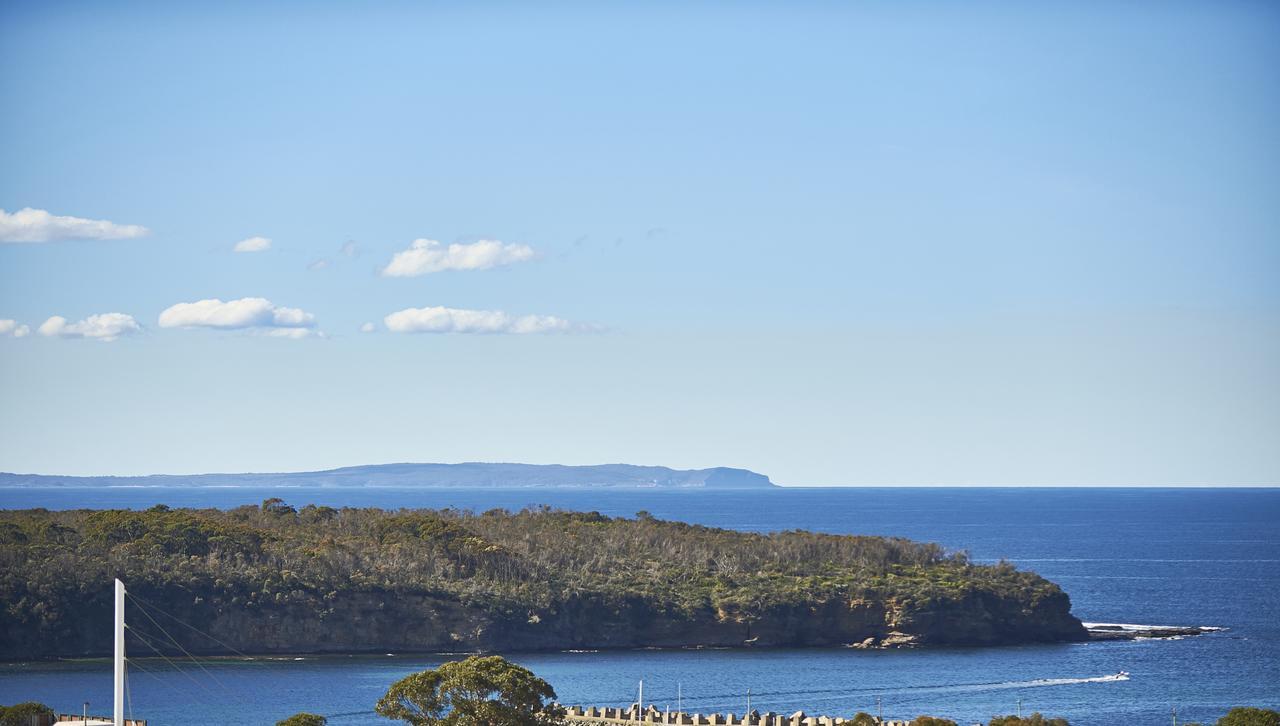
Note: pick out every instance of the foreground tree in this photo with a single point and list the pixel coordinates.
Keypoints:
(20, 714)
(303, 719)
(932, 721)
(1034, 719)
(1250, 717)
(478, 691)
(862, 718)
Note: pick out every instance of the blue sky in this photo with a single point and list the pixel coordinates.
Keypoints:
(877, 243)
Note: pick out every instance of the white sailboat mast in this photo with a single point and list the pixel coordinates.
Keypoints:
(118, 714)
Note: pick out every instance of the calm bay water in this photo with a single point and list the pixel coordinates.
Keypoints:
(1150, 556)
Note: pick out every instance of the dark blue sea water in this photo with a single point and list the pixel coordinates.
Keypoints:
(1147, 556)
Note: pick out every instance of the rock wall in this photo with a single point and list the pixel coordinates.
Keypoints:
(405, 622)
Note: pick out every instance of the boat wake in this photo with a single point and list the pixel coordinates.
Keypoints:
(1037, 683)
(906, 694)
(1121, 676)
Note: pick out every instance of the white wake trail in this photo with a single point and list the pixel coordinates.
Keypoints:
(1007, 685)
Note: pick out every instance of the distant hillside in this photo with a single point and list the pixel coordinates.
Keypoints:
(431, 475)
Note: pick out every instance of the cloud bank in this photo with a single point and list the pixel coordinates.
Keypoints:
(12, 328)
(37, 225)
(453, 320)
(252, 244)
(247, 312)
(105, 327)
(426, 256)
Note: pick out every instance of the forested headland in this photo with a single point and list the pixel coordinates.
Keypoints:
(274, 579)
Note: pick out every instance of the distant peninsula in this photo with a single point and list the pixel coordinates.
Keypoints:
(472, 474)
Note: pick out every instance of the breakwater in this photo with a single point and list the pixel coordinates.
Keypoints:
(633, 715)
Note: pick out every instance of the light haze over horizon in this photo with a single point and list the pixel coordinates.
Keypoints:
(887, 244)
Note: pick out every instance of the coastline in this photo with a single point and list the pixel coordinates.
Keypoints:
(414, 655)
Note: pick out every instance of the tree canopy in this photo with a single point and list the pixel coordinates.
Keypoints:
(303, 719)
(317, 563)
(1035, 719)
(20, 714)
(478, 691)
(1243, 716)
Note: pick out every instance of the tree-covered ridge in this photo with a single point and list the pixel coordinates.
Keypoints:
(517, 567)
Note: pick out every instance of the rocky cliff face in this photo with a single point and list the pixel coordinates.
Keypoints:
(983, 619)
(405, 622)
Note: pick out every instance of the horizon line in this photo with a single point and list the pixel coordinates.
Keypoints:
(864, 485)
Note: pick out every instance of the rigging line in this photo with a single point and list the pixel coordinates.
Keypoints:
(156, 676)
(168, 660)
(174, 665)
(135, 663)
(148, 640)
(128, 692)
(188, 654)
(145, 639)
(185, 624)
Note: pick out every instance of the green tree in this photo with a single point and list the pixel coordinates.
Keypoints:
(862, 718)
(932, 721)
(276, 506)
(478, 691)
(20, 714)
(1034, 719)
(303, 719)
(1250, 717)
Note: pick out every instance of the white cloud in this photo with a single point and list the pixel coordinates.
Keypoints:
(350, 248)
(11, 327)
(368, 328)
(293, 333)
(319, 264)
(105, 327)
(247, 312)
(252, 244)
(452, 320)
(426, 256)
(37, 225)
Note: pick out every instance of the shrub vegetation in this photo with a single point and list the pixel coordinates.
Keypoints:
(56, 567)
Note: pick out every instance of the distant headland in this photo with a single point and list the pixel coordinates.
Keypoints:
(472, 474)
(274, 579)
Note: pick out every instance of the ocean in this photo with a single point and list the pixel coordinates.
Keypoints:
(1196, 557)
